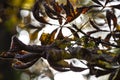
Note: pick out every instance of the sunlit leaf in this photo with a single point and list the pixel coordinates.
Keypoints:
(34, 35)
(118, 27)
(27, 4)
(44, 38)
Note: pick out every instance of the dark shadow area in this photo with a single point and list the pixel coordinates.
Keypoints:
(6, 71)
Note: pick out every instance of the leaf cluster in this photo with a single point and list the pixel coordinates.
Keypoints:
(56, 48)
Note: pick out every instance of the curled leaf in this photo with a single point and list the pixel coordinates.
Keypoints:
(76, 69)
(21, 65)
(36, 12)
(27, 57)
(7, 55)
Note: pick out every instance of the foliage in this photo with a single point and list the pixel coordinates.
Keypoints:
(56, 48)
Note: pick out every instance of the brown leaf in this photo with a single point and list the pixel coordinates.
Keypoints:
(107, 38)
(53, 14)
(49, 14)
(36, 12)
(21, 65)
(60, 20)
(34, 35)
(69, 9)
(27, 57)
(81, 10)
(52, 35)
(108, 14)
(57, 7)
(7, 55)
(114, 18)
(111, 16)
(44, 38)
(60, 35)
(75, 13)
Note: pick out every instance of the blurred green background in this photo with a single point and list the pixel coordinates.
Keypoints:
(9, 19)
